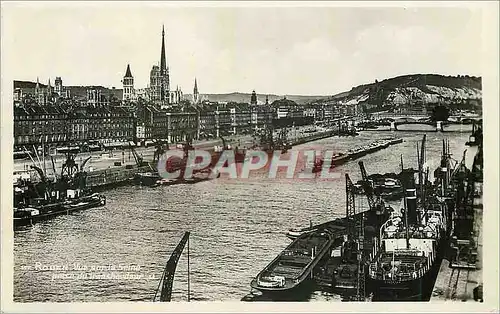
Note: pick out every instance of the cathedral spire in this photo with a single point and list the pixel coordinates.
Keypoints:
(128, 73)
(163, 58)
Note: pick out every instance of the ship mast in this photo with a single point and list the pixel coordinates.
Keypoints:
(407, 231)
(404, 183)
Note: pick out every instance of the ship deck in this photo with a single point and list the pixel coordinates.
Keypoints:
(294, 259)
(294, 264)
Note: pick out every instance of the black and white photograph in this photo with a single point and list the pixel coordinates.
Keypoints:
(249, 152)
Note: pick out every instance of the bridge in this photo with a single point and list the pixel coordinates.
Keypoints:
(393, 120)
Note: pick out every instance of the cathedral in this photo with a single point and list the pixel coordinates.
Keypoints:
(158, 90)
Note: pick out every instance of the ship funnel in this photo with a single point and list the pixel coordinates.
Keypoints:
(411, 205)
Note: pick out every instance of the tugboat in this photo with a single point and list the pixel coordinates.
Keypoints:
(67, 193)
(387, 185)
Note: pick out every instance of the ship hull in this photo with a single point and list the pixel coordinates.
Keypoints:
(413, 290)
(299, 292)
(419, 289)
(62, 209)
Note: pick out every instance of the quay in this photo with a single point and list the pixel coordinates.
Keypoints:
(122, 175)
(114, 176)
(463, 283)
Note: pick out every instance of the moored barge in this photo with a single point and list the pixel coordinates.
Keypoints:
(292, 268)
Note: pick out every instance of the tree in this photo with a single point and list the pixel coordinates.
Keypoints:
(440, 113)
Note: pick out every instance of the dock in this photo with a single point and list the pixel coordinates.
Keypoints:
(464, 284)
(121, 175)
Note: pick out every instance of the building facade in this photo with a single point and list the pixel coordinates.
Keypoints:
(56, 126)
(95, 98)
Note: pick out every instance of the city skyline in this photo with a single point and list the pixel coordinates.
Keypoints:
(253, 53)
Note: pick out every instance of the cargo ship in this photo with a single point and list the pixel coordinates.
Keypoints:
(411, 244)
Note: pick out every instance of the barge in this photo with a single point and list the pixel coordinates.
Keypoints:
(32, 214)
(353, 154)
(291, 270)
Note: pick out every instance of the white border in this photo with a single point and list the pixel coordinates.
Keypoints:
(490, 108)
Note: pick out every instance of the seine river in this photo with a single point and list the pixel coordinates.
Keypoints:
(118, 252)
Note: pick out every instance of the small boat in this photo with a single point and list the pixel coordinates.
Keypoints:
(146, 178)
(193, 180)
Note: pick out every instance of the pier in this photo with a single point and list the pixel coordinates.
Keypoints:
(464, 284)
(460, 274)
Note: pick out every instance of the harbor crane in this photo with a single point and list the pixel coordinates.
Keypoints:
(138, 159)
(463, 246)
(376, 205)
(167, 279)
(356, 237)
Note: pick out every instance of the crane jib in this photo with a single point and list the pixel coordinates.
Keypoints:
(168, 277)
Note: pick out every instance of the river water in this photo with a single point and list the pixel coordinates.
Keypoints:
(237, 227)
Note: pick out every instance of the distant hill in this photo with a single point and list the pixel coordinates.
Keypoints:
(27, 85)
(405, 89)
(429, 88)
(245, 97)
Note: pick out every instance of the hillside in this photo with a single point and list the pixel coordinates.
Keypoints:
(427, 88)
(261, 98)
(392, 92)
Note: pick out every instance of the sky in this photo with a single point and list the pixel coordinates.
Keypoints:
(273, 50)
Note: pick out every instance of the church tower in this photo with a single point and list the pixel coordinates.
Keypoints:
(128, 85)
(253, 98)
(165, 79)
(49, 88)
(40, 99)
(37, 87)
(48, 93)
(58, 89)
(196, 94)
